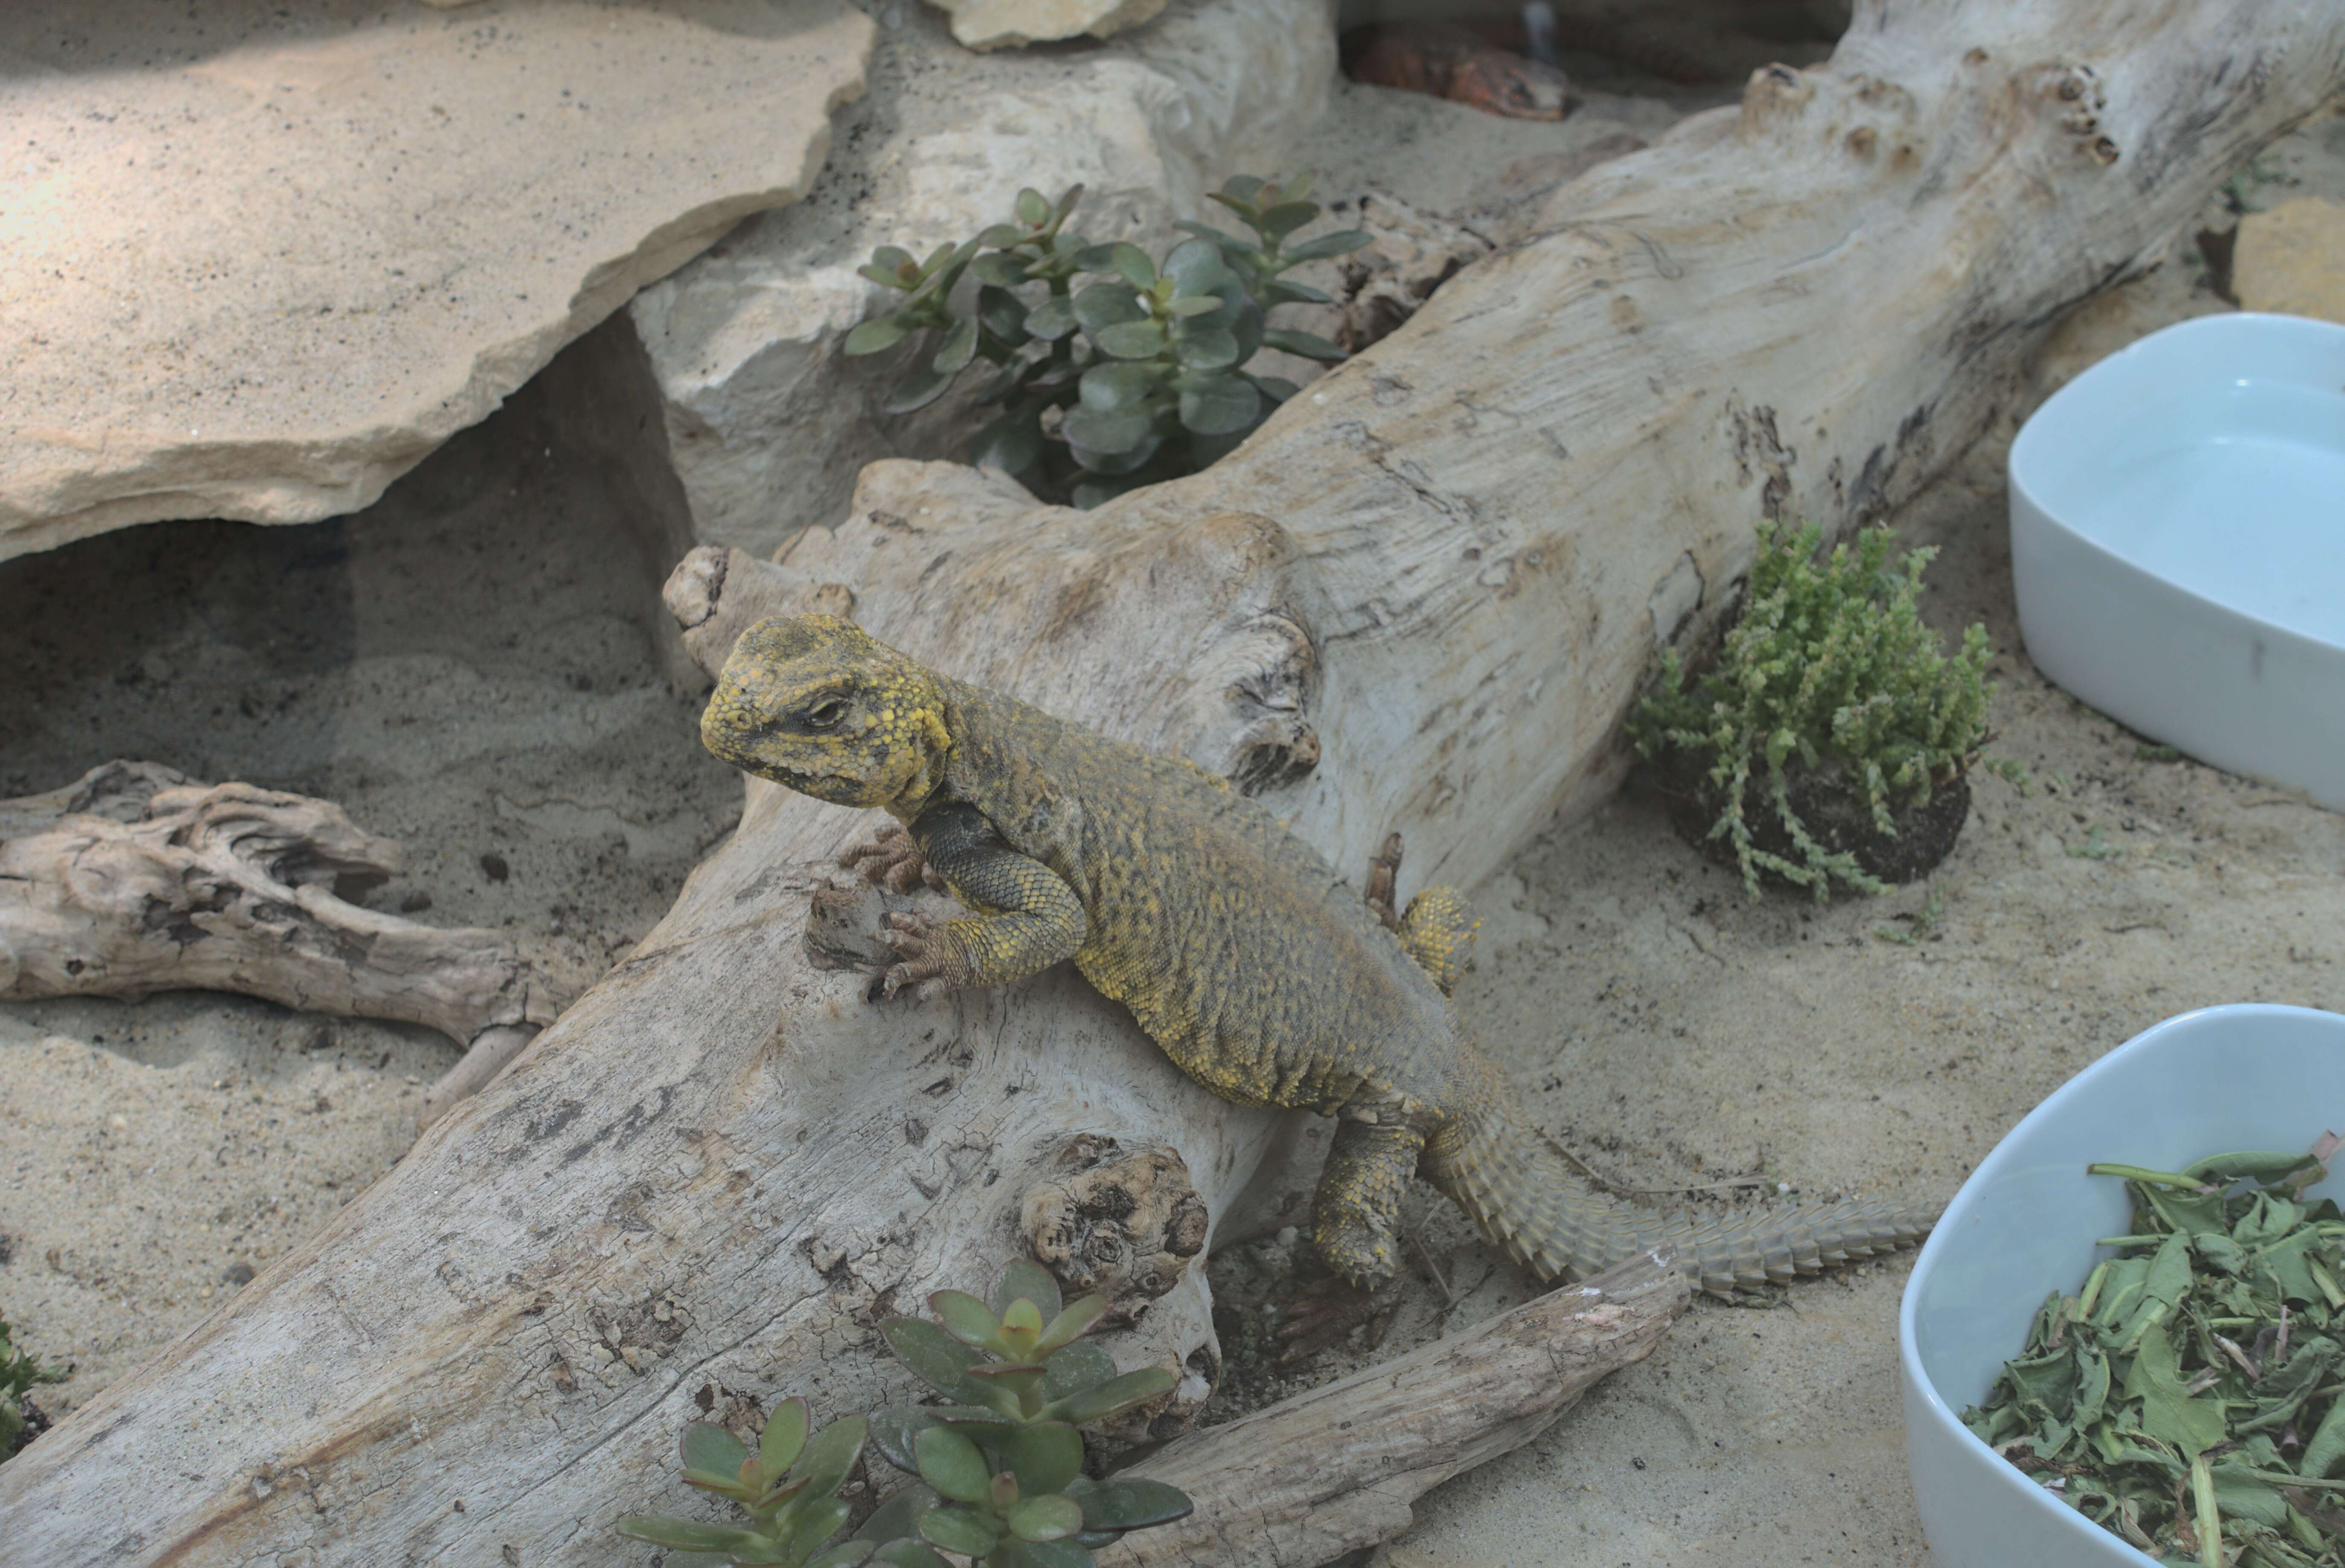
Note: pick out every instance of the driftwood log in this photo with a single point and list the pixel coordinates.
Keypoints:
(135, 879)
(1420, 598)
(1334, 1470)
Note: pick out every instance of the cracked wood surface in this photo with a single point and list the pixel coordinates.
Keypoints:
(715, 1173)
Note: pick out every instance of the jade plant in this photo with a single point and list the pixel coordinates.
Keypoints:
(787, 1486)
(1829, 684)
(1000, 1467)
(1111, 370)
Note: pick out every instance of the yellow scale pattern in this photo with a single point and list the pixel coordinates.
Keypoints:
(1236, 947)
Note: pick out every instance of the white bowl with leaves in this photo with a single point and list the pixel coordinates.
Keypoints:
(2028, 1223)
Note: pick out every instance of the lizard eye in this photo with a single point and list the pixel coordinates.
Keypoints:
(825, 714)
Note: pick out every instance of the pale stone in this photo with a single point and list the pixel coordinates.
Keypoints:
(2291, 260)
(1006, 24)
(767, 424)
(259, 264)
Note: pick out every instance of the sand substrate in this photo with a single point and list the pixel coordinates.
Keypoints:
(466, 667)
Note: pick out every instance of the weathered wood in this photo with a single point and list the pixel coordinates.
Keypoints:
(1337, 1469)
(135, 879)
(723, 1164)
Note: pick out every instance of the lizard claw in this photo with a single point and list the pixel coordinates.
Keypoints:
(1332, 1308)
(921, 952)
(893, 859)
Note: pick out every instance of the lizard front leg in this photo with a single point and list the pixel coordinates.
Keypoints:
(1028, 920)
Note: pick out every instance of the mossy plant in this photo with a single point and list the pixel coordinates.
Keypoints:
(1135, 375)
(1830, 682)
(999, 1469)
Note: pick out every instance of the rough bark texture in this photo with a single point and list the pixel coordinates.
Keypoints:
(723, 1165)
(1337, 1469)
(135, 879)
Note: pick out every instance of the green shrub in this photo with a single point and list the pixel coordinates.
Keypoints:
(1000, 1468)
(1830, 669)
(18, 1374)
(1135, 376)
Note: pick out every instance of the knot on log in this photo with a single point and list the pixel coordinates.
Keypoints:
(1123, 1222)
(1258, 674)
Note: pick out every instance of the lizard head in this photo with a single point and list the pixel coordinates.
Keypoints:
(814, 703)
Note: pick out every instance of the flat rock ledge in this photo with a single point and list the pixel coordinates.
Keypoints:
(260, 261)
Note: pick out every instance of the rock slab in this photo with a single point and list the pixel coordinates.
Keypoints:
(1006, 24)
(260, 261)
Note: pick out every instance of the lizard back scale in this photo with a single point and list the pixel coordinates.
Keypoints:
(1237, 947)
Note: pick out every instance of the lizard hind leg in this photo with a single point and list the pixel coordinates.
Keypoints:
(1355, 1230)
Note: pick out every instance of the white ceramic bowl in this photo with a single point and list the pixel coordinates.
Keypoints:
(2225, 1078)
(2178, 542)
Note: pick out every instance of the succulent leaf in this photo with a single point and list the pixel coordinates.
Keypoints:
(898, 1516)
(1076, 1319)
(1000, 269)
(1219, 405)
(1104, 433)
(684, 1534)
(893, 1430)
(878, 333)
(711, 1449)
(1075, 1367)
(1098, 462)
(916, 390)
(935, 1357)
(1099, 306)
(784, 1436)
(1112, 1398)
(1003, 313)
(951, 1463)
(958, 1530)
(909, 1552)
(1206, 349)
(817, 1524)
(1017, 1553)
(1052, 320)
(966, 1318)
(1111, 389)
(1011, 441)
(1131, 340)
(831, 1455)
(1133, 264)
(1342, 242)
(958, 348)
(1194, 266)
(1045, 1456)
(1044, 1518)
(1033, 211)
(1277, 223)
(1310, 345)
(845, 1554)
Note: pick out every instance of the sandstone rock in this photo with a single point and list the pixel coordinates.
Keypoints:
(2292, 258)
(1005, 24)
(257, 263)
(767, 422)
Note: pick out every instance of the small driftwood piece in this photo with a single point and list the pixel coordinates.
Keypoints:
(1419, 599)
(135, 879)
(1334, 1470)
